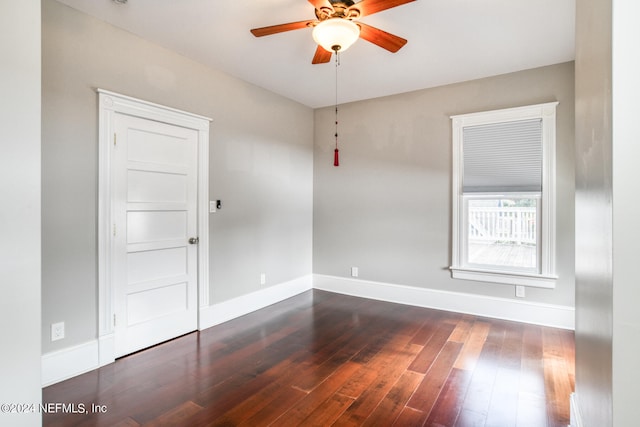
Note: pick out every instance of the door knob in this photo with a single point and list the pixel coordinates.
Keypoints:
(194, 240)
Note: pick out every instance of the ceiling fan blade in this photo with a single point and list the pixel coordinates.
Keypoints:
(281, 28)
(383, 39)
(320, 3)
(322, 56)
(369, 7)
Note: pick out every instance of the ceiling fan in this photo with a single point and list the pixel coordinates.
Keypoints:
(335, 29)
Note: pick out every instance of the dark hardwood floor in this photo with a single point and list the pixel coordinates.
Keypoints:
(322, 359)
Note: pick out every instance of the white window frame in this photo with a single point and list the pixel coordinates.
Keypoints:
(546, 276)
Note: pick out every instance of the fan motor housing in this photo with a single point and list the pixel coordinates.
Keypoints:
(339, 9)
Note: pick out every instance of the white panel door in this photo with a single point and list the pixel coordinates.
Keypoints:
(155, 209)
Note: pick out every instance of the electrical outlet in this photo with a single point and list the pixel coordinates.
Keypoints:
(354, 271)
(263, 278)
(57, 331)
(520, 291)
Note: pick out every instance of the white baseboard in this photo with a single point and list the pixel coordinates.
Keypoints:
(500, 308)
(106, 349)
(576, 419)
(66, 363)
(69, 362)
(245, 304)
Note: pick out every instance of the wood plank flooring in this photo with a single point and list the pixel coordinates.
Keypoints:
(322, 359)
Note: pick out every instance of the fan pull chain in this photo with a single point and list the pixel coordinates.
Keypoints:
(336, 159)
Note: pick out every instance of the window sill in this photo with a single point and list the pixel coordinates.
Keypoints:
(532, 280)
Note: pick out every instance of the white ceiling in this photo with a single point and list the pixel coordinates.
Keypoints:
(449, 41)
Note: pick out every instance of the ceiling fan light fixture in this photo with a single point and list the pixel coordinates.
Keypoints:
(336, 34)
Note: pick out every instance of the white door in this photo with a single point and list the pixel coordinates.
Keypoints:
(155, 183)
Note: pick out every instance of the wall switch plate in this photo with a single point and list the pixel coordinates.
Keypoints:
(520, 291)
(263, 278)
(212, 207)
(354, 271)
(57, 331)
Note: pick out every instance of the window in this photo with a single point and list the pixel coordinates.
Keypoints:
(504, 196)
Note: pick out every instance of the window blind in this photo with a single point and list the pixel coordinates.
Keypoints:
(503, 157)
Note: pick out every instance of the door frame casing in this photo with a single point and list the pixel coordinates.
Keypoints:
(110, 104)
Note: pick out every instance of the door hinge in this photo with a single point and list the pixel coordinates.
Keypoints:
(114, 320)
(115, 139)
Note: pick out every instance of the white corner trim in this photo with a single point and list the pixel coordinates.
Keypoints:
(66, 363)
(245, 304)
(557, 316)
(576, 419)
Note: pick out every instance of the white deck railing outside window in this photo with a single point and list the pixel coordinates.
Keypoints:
(506, 225)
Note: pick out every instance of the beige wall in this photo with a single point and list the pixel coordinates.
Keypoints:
(20, 214)
(607, 207)
(260, 165)
(387, 208)
(594, 266)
